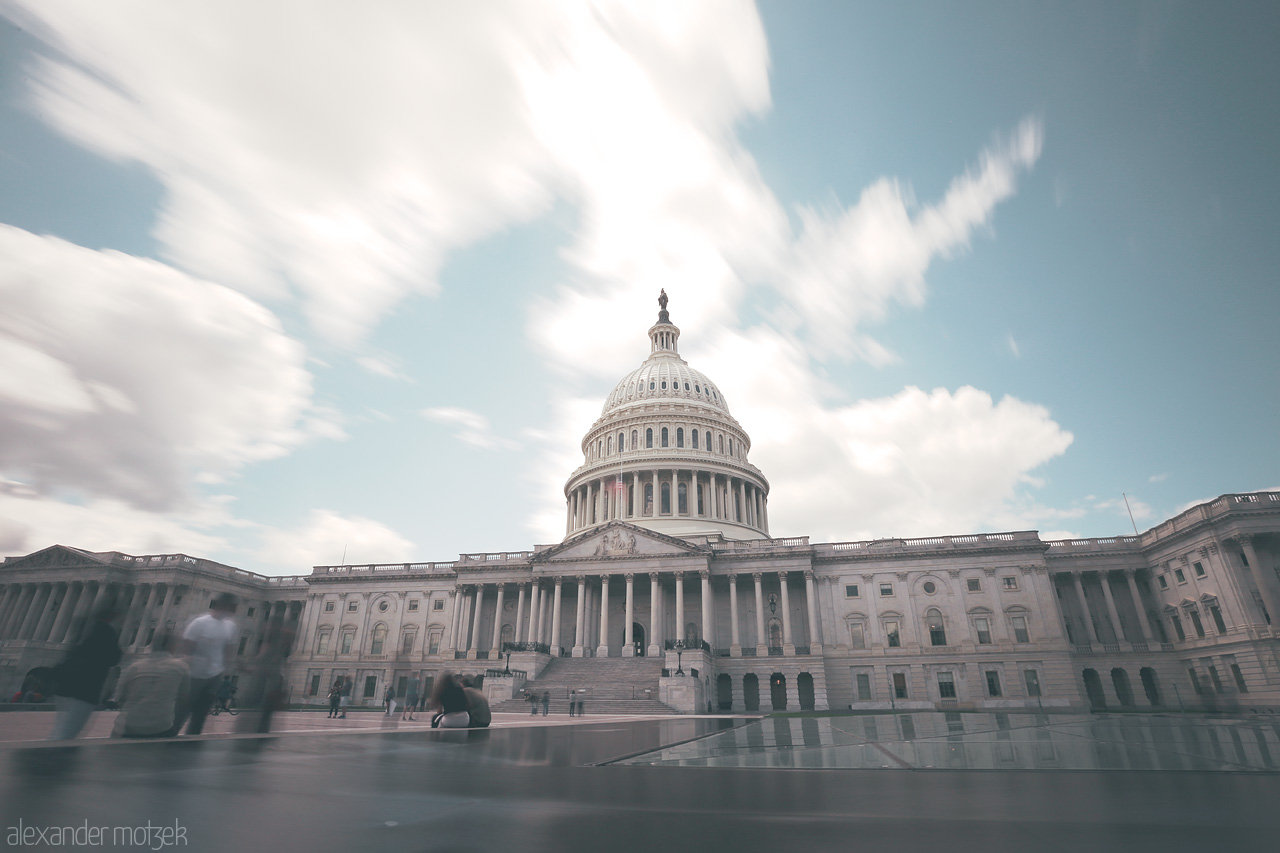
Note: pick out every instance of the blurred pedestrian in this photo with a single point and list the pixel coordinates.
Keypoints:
(335, 698)
(389, 700)
(546, 703)
(154, 693)
(269, 668)
(477, 705)
(209, 643)
(79, 678)
(410, 700)
(449, 701)
(347, 686)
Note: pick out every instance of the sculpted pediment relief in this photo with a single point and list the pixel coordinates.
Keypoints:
(55, 556)
(618, 540)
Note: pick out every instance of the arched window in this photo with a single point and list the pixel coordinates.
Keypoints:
(600, 449)
(622, 440)
(679, 436)
(683, 498)
(379, 640)
(693, 439)
(721, 443)
(701, 510)
(937, 631)
(664, 436)
(610, 445)
(635, 439)
(648, 498)
(666, 499)
(648, 438)
(731, 447)
(650, 384)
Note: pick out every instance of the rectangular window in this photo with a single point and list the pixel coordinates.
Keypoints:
(413, 604)
(434, 648)
(891, 631)
(322, 644)
(370, 686)
(438, 604)
(407, 645)
(328, 607)
(973, 585)
(1216, 613)
(248, 614)
(900, 685)
(1215, 678)
(946, 685)
(375, 648)
(351, 606)
(993, 683)
(864, 686)
(1010, 582)
(886, 590)
(1239, 677)
(1177, 573)
(1177, 628)
(348, 637)
(1032, 679)
(851, 590)
(314, 687)
(1020, 629)
(402, 685)
(1196, 623)
(857, 636)
(983, 627)
(1198, 568)
(1195, 680)
(243, 642)
(1163, 581)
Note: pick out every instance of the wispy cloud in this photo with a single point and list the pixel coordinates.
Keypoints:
(1157, 478)
(1013, 346)
(471, 428)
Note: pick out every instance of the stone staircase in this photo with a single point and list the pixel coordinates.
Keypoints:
(612, 685)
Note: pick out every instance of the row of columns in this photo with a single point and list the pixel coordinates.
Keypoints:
(47, 612)
(543, 624)
(725, 498)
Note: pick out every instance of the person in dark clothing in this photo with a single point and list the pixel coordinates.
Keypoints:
(546, 703)
(449, 701)
(335, 698)
(79, 678)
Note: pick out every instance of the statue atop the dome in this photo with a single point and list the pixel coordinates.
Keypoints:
(662, 299)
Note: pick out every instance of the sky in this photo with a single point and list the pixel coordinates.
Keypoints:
(288, 284)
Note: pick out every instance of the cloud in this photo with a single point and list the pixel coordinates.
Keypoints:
(125, 379)
(472, 428)
(382, 366)
(1157, 478)
(1013, 346)
(327, 536)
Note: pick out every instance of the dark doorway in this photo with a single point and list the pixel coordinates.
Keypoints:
(778, 691)
(1120, 680)
(637, 637)
(805, 685)
(751, 692)
(1149, 686)
(1093, 688)
(724, 691)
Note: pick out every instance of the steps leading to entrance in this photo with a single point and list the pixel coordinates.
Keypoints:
(612, 685)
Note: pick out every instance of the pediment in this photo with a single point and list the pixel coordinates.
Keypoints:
(618, 540)
(54, 557)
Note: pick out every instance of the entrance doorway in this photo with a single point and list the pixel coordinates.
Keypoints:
(778, 691)
(1149, 685)
(751, 692)
(637, 637)
(724, 691)
(805, 685)
(1093, 689)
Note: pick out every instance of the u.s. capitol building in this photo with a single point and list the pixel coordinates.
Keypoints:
(668, 593)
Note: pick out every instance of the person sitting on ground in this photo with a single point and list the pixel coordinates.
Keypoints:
(477, 705)
(154, 693)
(450, 703)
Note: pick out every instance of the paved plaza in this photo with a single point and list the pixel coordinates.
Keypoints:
(894, 781)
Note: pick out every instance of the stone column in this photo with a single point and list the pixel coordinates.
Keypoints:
(1266, 585)
(655, 643)
(515, 634)
(628, 630)
(657, 496)
(11, 593)
(170, 594)
(1116, 628)
(735, 639)
(452, 643)
(762, 642)
(1084, 608)
(496, 647)
(582, 612)
(56, 596)
(474, 646)
(74, 591)
(43, 593)
(788, 646)
(555, 618)
(637, 495)
(535, 612)
(544, 615)
(602, 647)
(144, 615)
(708, 612)
(680, 606)
(742, 489)
(18, 612)
(815, 635)
(1129, 576)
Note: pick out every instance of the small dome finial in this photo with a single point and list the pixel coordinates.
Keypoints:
(663, 316)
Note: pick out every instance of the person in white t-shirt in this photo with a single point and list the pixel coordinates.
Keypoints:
(208, 644)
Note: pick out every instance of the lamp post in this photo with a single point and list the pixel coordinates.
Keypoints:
(507, 671)
(679, 656)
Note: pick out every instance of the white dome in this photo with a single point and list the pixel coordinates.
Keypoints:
(665, 378)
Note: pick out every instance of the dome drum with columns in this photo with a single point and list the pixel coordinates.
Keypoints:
(666, 455)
